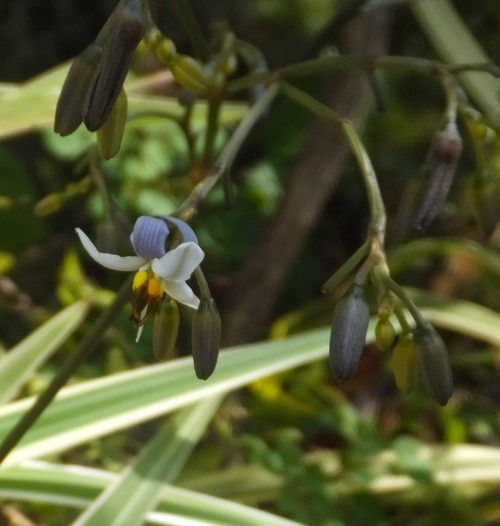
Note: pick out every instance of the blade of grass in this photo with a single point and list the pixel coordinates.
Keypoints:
(77, 486)
(137, 490)
(18, 365)
(455, 44)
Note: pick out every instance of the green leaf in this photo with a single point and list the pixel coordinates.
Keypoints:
(405, 256)
(459, 316)
(98, 407)
(137, 490)
(31, 106)
(77, 486)
(17, 366)
(455, 44)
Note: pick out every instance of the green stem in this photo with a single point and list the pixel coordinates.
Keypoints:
(227, 156)
(86, 346)
(401, 294)
(377, 209)
(202, 283)
(192, 28)
(212, 128)
(328, 63)
(347, 268)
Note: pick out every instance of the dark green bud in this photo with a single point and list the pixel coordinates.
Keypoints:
(165, 330)
(404, 363)
(385, 334)
(110, 134)
(434, 362)
(71, 100)
(442, 161)
(349, 326)
(205, 338)
(125, 29)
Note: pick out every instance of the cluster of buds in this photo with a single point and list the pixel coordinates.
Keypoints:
(93, 90)
(416, 352)
(167, 253)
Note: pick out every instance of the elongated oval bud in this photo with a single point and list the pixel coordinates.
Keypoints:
(404, 363)
(445, 152)
(74, 91)
(434, 362)
(126, 28)
(385, 334)
(349, 326)
(188, 73)
(110, 134)
(205, 338)
(165, 330)
(50, 204)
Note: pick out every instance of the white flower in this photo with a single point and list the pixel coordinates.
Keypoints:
(157, 272)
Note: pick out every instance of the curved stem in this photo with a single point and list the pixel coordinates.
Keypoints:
(86, 346)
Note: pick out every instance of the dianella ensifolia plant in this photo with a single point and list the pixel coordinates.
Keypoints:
(166, 253)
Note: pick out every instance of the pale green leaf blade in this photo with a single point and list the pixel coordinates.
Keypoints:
(77, 486)
(137, 490)
(18, 365)
(31, 106)
(102, 406)
(455, 44)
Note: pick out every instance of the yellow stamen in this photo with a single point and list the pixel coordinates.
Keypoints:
(140, 279)
(155, 288)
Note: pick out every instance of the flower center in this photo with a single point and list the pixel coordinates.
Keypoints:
(148, 294)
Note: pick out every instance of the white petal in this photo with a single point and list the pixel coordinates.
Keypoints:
(181, 292)
(112, 261)
(178, 264)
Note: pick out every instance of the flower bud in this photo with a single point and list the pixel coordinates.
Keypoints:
(205, 338)
(188, 73)
(110, 134)
(434, 362)
(126, 28)
(50, 204)
(71, 100)
(385, 334)
(404, 363)
(442, 161)
(165, 330)
(349, 326)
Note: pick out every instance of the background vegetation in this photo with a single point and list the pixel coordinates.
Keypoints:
(272, 429)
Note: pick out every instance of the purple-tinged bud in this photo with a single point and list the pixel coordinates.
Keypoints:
(349, 326)
(442, 161)
(149, 237)
(126, 28)
(205, 338)
(110, 134)
(434, 362)
(165, 330)
(404, 363)
(74, 91)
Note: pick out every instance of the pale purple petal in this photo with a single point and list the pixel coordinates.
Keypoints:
(181, 292)
(149, 237)
(186, 231)
(178, 264)
(111, 261)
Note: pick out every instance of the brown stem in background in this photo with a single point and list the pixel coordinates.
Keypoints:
(311, 183)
